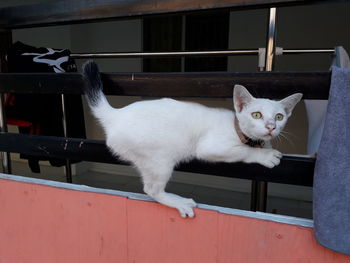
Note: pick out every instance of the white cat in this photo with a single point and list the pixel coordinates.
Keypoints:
(156, 135)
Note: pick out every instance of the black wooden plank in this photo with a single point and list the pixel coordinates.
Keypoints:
(68, 11)
(57, 147)
(274, 85)
(292, 170)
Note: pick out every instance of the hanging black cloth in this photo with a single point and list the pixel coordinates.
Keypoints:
(41, 114)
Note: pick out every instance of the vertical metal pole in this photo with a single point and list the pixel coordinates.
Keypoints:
(271, 40)
(253, 195)
(5, 42)
(68, 167)
(259, 189)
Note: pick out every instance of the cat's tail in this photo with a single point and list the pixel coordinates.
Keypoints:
(93, 91)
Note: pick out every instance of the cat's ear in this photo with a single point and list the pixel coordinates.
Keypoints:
(290, 102)
(241, 97)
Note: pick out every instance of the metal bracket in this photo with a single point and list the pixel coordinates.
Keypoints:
(261, 58)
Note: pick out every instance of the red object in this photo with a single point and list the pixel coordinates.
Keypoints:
(19, 123)
(41, 223)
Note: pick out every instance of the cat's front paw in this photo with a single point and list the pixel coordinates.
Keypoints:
(185, 207)
(270, 158)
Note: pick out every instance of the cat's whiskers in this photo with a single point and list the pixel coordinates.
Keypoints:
(279, 138)
(289, 133)
(284, 136)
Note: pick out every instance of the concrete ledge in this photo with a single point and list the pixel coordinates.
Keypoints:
(136, 196)
(46, 221)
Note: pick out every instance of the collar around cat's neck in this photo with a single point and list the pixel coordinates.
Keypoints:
(245, 139)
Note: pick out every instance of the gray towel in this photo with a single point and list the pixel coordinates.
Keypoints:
(341, 58)
(332, 172)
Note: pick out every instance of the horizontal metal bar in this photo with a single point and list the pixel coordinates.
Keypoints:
(165, 54)
(308, 51)
(292, 170)
(274, 85)
(193, 53)
(82, 11)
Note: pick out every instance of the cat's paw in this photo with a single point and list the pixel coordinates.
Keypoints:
(270, 158)
(185, 207)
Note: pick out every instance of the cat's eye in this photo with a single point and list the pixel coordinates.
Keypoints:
(257, 115)
(279, 117)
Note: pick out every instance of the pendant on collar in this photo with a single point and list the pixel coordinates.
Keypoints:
(245, 139)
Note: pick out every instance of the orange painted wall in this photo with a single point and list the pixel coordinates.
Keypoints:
(47, 224)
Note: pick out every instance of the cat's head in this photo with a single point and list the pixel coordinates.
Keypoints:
(262, 119)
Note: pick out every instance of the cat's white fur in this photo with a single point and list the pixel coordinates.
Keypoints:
(156, 135)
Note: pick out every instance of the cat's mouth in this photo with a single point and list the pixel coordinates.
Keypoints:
(268, 136)
(262, 137)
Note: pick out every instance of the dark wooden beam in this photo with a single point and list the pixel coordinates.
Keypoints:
(274, 85)
(5, 43)
(80, 11)
(57, 147)
(292, 170)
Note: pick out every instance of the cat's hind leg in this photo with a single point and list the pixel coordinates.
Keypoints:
(183, 205)
(155, 179)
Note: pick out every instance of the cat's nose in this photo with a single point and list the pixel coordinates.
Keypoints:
(270, 127)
